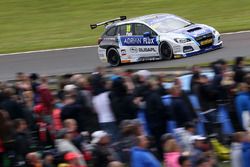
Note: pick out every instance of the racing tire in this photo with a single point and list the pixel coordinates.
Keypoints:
(113, 57)
(165, 50)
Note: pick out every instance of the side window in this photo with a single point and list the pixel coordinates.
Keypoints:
(111, 32)
(125, 30)
(140, 29)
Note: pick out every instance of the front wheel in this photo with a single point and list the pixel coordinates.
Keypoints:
(165, 51)
(113, 57)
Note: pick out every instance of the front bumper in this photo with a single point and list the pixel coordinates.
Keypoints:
(204, 50)
(200, 51)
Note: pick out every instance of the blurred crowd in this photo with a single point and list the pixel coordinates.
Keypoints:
(127, 118)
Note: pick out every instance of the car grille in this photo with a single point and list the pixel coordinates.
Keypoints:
(201, 38)
(204, 37)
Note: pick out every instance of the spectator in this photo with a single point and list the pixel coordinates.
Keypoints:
(195, 80)
(23, 84)
(246, 150)
(181, 112)
(56, 118)
(197, 151)
(184, 95)
(236, 149)
(219, 68)
(64, 144)
(184, 161)
(102, 153)
(184, 136)
(238, 69)
(106, 118)
(97, 81)
(206, 95)
(140, 155)
(71, 126)
(23, 140)
(11, 105)
(35, 85)
(46, 99)
(72, 110)
(129, 133)
(242, 104)
(115, 164)
(48, 160)
(72, 159)
(122, 103)
(203, 162)
(33, 160)
(155, 113)
(44, 128)
(172, 153)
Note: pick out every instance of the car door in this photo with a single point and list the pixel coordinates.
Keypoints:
(147, 47)
(124, 33)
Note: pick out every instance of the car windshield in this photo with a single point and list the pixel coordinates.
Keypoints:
(168, 24)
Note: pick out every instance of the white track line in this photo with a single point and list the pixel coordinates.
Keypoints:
(237, 32)
(81, 47)
(48, 50)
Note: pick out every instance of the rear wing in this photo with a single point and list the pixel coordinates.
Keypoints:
(93, 26)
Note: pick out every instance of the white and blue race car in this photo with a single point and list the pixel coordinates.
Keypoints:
(154, 37)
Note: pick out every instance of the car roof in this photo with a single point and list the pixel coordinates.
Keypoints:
(144, 19)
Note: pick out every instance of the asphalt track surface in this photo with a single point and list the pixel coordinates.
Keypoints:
(85, 59)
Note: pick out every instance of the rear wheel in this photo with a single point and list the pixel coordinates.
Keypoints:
(113, 57)
(165, 51)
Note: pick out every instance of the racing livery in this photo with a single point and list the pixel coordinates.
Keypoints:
(154, 37)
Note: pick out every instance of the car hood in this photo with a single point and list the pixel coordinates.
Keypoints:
(194, 30)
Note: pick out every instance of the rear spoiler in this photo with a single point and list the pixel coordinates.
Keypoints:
(93, 26)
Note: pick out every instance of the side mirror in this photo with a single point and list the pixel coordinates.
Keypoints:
(147, 34)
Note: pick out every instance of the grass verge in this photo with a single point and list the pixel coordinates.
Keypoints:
(35, 24)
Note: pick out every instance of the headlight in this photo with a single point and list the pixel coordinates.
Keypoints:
(182, 40)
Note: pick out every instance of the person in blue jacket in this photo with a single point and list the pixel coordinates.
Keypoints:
(242, 101)
(141, 156)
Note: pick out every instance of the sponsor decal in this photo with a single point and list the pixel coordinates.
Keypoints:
(141, 41)
(147, 50)
(125, 61)
(133, 50)
(123, 52)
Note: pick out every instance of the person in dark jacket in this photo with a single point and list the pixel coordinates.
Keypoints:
(102, 153)
(238, 69)
(10, 105)
(97, 81)
(181, 112)
(35, 85)
(195, 80)
(123, 104)
(22, 140)
(206, 96)
(72, 110)
(155, 113)
(219, 68)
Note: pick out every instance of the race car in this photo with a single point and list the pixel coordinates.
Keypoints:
(154, 37)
